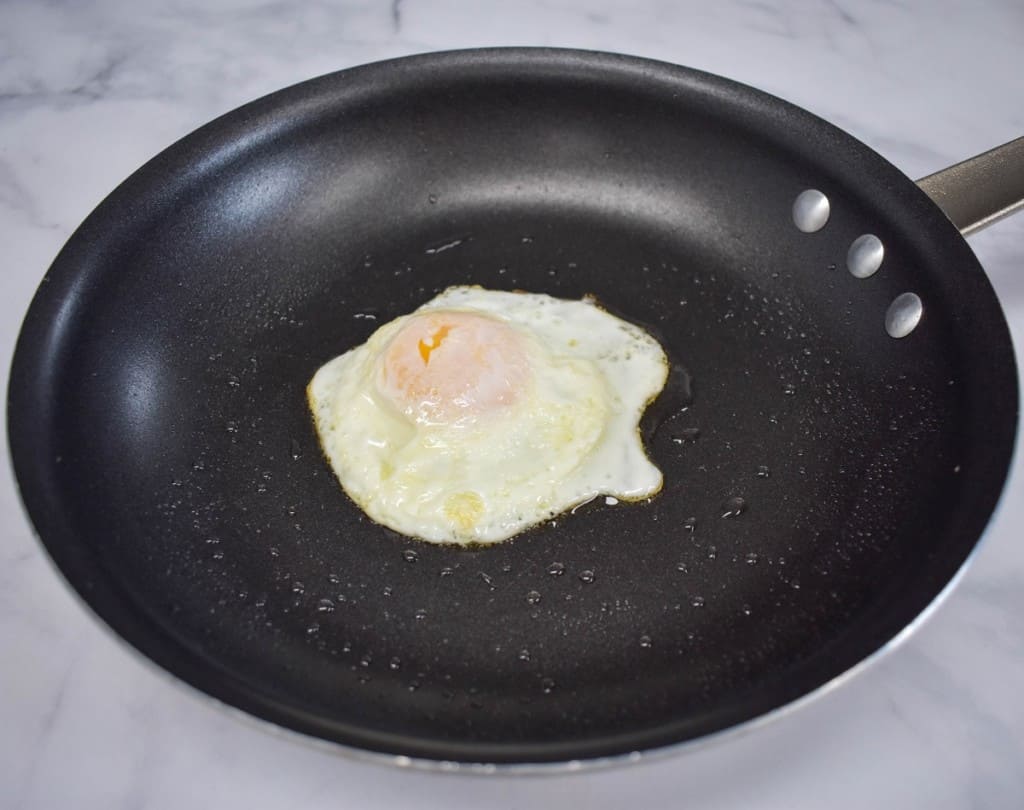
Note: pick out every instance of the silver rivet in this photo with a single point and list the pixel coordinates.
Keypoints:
(865, 255)
(903, 315)
(810, 210)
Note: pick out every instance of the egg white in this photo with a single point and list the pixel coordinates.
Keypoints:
(570, 436)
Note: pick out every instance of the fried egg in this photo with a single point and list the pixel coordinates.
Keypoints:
(483, 413)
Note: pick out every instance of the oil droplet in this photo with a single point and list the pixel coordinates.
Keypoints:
(298, 587)
(296, 450)
(697, 601)
(547, 685)
(388, 590)
(556, 569)
(410, 556)
(789, 389)
(440, 248)
(366, 660)
(420, 614)
(763, 471)
(532, 597)
(746, 610)
(334, 579)
(687, 436)
(751, 558)
(313, 629)
(395, 663)
(674, 401)
(488, 580)
(432, 199)
(586, 576)
(734, 507)
(645, 642)
(682, 567)
(690, 524)
(447, 571)
(325, 606)
(524, 655)
(274, 552)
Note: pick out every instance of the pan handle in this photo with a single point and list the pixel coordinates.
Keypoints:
(980, 190)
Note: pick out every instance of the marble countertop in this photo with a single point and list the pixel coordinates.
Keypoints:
(91, 90)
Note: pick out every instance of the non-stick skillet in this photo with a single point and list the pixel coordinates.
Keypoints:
(834, 436)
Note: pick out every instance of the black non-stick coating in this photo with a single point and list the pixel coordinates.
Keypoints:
(165, 454)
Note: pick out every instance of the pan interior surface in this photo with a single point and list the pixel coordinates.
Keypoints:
(823, 481)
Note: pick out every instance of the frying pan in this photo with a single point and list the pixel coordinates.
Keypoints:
(824, 480)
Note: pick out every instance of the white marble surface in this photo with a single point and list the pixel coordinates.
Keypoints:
(90, 90)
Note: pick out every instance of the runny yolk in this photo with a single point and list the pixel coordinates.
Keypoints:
(443, 366)
(435, 342)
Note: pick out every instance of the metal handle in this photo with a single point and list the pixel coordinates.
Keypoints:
(982, 189)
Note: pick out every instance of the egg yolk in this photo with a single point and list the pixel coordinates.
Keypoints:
(449, 367)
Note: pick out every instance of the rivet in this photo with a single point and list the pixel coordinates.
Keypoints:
(903, 315)
(810, 210)
(865, 255)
